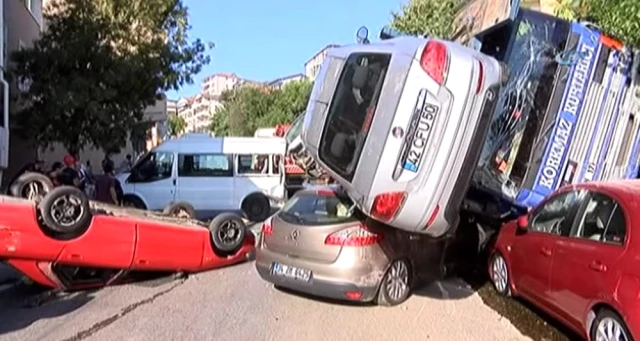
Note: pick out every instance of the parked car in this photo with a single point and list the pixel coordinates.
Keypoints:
(64, 242)
(200, 176)
(320, 244)
(577, 257)
(399, 123)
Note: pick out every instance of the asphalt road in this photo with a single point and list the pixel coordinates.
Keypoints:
(235, 304)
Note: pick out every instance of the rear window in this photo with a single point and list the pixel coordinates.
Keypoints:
(316, 209)
(351, 111)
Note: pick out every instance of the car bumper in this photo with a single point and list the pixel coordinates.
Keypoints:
(351, 282)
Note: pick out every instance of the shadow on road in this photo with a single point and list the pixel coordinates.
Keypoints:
(14, 315)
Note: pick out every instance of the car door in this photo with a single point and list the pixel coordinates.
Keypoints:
(205, 181)
(581, 267)
(533, 251)
(153, 179)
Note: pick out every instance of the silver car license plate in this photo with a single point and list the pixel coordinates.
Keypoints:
(291, 272)
(422, 126)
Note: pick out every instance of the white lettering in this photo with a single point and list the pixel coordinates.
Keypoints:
(579, 81)
(558, 146)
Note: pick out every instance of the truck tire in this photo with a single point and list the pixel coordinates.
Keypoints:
(65, 210)
(256, 207)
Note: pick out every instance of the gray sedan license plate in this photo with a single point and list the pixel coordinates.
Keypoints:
(292, 272)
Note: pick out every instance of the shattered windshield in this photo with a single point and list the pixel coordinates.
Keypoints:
(533, 47)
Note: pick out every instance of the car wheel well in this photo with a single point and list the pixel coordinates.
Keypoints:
(594, 311)
(135, 198)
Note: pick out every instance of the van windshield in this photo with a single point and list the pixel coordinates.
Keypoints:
(351, 111)
(317, 208)
(294, 130)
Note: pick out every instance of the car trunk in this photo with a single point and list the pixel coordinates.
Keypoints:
(305, 241)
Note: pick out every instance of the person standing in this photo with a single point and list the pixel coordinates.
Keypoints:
(126, 164)
(107, 161)
(106, 187)
(69, 175)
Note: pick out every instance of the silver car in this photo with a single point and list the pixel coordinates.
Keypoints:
(318, 244)
(400, 124)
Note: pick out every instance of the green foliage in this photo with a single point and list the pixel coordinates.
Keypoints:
(250, 107)
(619, 18)
(99, 65)
(434, 18)
(176, 125)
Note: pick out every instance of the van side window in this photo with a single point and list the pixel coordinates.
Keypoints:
(154, 166)
(253, 164)
(204, 165)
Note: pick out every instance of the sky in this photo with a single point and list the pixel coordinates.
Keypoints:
(264, 40)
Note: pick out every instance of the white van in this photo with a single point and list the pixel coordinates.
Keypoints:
(203, 176)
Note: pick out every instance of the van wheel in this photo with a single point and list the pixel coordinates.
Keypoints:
(65, 210)
(31, 186)
(180, 209)
(134, 202)
(227, 232)
(256, 207)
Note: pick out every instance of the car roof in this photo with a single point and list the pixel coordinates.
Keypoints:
(204, 143)
(626, 189)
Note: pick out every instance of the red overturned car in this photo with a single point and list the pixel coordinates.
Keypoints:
(66, 242)
(577, 257)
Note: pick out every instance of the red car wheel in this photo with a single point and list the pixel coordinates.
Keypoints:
(65, 210)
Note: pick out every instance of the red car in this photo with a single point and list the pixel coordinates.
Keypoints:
(66, 242)
(576, 256)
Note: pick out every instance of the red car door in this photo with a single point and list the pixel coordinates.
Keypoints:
(533, 251)
(166, 246)
(584, 267)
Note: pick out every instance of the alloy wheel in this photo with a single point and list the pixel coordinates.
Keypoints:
(397, 283)
(610, 330)
(499, 273)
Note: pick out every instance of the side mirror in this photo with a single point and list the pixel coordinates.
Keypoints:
(388, 33)
(523, 223)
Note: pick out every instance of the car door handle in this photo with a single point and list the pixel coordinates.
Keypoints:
(597, 266)
(545, 251)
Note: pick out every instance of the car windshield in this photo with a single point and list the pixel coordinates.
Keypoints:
(351, 111)
(317, 208)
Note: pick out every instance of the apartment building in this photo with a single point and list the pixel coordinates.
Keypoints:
(312, 66)
(198, 110)
(280, 82)
(21, 24)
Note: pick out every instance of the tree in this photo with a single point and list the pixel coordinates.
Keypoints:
(250, 107)
(176, 125)
(434, 18)
(619, 18)
(99, 65)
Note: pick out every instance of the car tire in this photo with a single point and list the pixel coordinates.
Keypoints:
(134, 202)
(607, 318)
(395, 286)
(180, 209)
(499, 274)
(256, 207)
(65, 210)
(32, 186)
(227, 232)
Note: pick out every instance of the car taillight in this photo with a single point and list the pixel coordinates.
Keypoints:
(267, 228)
(326, 193)
(353, 237)
(386, 205)
(435, 60)
(480, 77)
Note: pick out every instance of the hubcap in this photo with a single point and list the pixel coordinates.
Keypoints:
(229, 232)
(397, 283)
(499, 273)
(610, 330)
(33, 191)
(67, 210)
